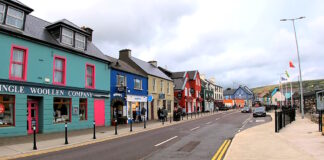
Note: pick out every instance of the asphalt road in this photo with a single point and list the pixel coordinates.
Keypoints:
(197, 139)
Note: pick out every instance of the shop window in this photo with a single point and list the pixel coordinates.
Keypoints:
(7, 110)
(83, 109)
(62, 110)
(90, 76)
(59, 70)
(137, 84)
(121, 80)
(18, 63)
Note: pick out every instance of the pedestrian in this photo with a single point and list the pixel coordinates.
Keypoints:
(159, 113)
(165, 112)
(143, 112)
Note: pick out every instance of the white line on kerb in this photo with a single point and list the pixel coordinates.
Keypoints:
(209, 122)
(165, 141)
(194, 128)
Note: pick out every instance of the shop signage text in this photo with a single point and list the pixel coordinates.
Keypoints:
(43, 91)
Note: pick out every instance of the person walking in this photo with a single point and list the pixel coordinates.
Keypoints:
(159, 113)
(143, 112)
(165, 114)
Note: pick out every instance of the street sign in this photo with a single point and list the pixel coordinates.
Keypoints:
(150, 98)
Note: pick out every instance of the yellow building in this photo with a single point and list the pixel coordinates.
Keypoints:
(160, 86)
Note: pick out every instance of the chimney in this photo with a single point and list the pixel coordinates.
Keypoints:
(125, 54)
(153, 63)
(89, 30)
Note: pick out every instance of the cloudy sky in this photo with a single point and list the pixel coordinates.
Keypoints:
(234, 41)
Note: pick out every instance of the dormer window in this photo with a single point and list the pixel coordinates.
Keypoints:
(67, 36)
(80, 41)
(15, 18)
(2, 10)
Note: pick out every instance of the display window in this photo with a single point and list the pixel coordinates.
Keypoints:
(83, 109)
(7, 110)
(62, 110)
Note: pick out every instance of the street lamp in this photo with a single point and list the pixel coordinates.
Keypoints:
(300, 75)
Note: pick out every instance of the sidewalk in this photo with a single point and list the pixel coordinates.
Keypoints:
(15, 147)
(299, 140)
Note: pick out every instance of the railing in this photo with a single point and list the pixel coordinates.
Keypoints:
(284, 117)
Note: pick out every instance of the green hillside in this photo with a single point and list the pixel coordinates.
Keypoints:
(308, 85)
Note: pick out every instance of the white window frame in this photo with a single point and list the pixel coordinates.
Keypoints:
(154, 85)
(20, 18)
(80, 40)
(140, 84)
(168, 90)
(3, 12)
(162, 86)
(63, 28)
(125, 80)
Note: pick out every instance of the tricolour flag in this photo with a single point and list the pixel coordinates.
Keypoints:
(291, 65)
(283, 79)
(287, 74)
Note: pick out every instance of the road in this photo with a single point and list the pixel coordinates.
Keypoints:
(197, 139)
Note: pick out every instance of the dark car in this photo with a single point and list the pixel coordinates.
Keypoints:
(223, 108)
(259, 112)
(246, 109)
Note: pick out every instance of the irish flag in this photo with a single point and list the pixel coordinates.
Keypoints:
(287, 74)
(291, 65)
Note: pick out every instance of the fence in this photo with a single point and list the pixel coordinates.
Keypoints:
(284, 117)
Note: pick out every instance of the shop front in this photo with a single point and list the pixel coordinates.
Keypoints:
(135, 105)
(24, 105)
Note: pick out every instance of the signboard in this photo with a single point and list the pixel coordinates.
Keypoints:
(150, 98)
(75, 110)
(161, 96)
(43, 91)
(33, 122)
(133, 98)
(2, 108)
(320, 100)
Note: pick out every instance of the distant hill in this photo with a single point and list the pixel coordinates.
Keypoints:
(308, 85)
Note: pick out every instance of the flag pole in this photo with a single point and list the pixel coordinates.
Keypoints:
(291, 95)
(286, 103)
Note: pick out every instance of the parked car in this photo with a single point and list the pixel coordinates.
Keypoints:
(223, 108)
(259, 112)
(246, 109)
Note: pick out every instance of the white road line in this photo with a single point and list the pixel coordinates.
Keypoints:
(259, 120)
(209, 122)
(194, 128)
(165, 141)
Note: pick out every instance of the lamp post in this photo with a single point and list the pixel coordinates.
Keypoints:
(300, 75)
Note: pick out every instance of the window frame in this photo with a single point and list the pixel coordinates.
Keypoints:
(86, 108)
(14, 108)
(22, 19)
(168, 89)
(79, 40)
(70, 108)
(141, 84)
(25, 63)
(3, 13)
(162, 86)
(125, 80)
(93, 76)
(154, 85)
(63, 71)
(62, 34)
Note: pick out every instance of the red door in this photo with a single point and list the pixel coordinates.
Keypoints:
(99, 112)
(32, 115)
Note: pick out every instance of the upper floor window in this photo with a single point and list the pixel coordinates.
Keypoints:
(154, 84)
(90, 76)
(59, 70)
(161, 86)
(15, 18)
(18, 63)
(2, 10)
(80, 41)
(168, 88)
(67, 36)
(137, 84)
(121, 80)
(186, 92)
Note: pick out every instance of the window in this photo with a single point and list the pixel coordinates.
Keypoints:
(154, 85)
(62, 110)
(137, 84)
(15, 18)
(83, 109)
(186, 92)
(18, 63)
(169, 106)
(121, 80)
(7, 110)
(161, 86)
(80, 41)
(168, 88)
(2, 9)
(67, 36)
(59, 70)
(90, 76)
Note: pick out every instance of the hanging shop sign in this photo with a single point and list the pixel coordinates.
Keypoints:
(19, 89)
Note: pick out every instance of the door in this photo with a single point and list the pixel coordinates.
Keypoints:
(99, 112)
(32, 116)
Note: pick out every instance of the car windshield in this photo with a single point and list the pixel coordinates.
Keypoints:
(259, 109)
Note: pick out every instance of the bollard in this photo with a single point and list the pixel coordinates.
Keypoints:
(170, 118)
(94, 129)
(115, 126)
(131, 125)
(66, 136)
(187, 116)
(163, 121)
(34, 129)
(182, 116)
(191, 115)
(144, 122)
(276, 122)
(195, 114)
(320, 121)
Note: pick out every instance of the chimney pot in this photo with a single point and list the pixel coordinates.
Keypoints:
(89, 30)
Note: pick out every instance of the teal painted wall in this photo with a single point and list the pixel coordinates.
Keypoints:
(40, 64)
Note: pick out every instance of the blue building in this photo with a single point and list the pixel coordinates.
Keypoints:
(129, 90)
(240, 97)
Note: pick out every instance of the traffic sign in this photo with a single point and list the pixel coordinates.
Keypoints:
(150, 98)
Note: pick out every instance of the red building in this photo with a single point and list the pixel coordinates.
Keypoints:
(187, 88)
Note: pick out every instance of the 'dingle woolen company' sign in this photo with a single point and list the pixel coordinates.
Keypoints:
(43, 91)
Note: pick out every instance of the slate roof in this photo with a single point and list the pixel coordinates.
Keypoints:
(179, 83)
(247, 90)
(178, 75)
(35, 28)
(229, 92)
(150, 69)
(192, 75)
(123, 66)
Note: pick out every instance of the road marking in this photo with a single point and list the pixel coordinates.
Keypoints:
(209, 122)
(165, 141)
(259, 120)
(244, 123)
(194, 128)
(221, 151)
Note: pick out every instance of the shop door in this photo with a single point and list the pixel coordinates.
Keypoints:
(99, 112)
(32, 116)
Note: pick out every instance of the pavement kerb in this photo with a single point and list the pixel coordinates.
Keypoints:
(88, 142)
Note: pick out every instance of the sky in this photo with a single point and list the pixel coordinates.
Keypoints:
(237, 42)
